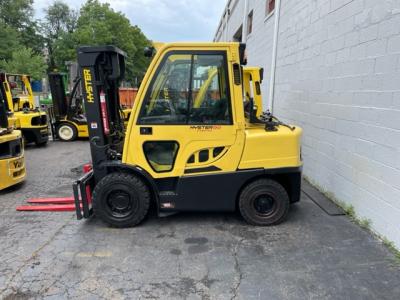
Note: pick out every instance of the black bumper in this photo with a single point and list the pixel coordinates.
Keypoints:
(37, 135)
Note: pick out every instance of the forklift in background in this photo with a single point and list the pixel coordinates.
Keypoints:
(182, 151)
(67, 118)
(12, 162)
(19, 100)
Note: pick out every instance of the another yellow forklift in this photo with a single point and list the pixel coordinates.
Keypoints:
(67, 117)
(19, 99)
(190, 144)
(12, 162)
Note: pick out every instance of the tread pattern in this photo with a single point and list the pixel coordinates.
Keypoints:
(277, 189)
(136, 184)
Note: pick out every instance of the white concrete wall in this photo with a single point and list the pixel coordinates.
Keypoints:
(338, 77)
(259, 42)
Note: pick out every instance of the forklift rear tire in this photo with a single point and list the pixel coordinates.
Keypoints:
(264, 202)
(67, 132)
(121, 200)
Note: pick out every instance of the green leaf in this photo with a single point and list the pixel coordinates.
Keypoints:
(25, 61)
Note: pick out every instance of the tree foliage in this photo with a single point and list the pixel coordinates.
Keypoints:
(62, 31)
(21, 48)
(99, 24)
(25, 61)
(31, 38)
(59, 23)
(60, 19)
(10, 41)
(64, 49)
(18, 15)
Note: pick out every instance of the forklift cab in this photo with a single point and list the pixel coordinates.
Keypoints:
(19, 97)
(75, 100)
(188, 146)
(22, 95)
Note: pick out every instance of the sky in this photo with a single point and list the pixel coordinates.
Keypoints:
(162, 20)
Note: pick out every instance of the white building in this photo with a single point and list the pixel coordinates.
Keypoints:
(338, 77)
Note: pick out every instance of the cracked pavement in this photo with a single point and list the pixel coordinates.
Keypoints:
(185, 256)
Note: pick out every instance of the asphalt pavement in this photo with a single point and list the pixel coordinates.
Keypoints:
(185, 256)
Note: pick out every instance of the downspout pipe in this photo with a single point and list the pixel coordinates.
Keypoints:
(226, 27)
(244, 33)
(274, 54)
(244, 26)
(227, 14)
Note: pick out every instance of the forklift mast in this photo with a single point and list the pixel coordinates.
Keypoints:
(102, 69)
(61, 102)
(59, 98)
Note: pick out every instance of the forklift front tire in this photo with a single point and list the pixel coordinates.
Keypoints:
(264, 202)
(67, 132)
(121, 200)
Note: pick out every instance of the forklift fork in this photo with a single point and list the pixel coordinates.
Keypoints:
(81, 201)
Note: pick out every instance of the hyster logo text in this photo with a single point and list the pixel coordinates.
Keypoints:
(87, 76)
(205, 127)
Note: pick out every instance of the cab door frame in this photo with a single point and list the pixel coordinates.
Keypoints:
(191, 137)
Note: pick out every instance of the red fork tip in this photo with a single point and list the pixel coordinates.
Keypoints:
(59, 200)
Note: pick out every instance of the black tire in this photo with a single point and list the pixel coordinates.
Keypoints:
(28, 137)
(121, 200)
(264, 202)
(67, 132)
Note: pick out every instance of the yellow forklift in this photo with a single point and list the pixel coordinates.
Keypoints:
(67, 116)
(19, 98)
(12, 162)
(192, 143)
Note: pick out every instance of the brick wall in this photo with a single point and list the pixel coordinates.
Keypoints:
(338, 77)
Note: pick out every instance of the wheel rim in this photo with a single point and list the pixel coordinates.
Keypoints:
(264, 205)
(65, 132)
(120, 204)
